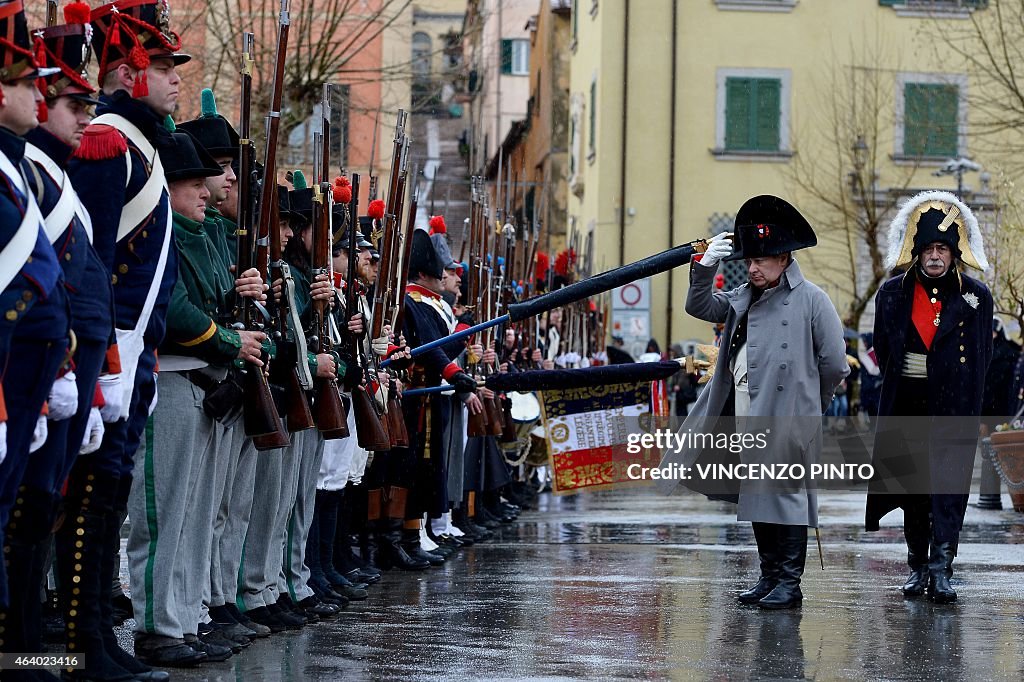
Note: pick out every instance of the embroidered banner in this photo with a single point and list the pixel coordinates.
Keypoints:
(587, 431)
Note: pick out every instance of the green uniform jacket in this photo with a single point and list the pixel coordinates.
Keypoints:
(202, 296)
(222, 233)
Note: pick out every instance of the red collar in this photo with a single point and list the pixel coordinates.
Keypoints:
(422, 291)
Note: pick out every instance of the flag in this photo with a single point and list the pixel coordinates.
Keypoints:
(588, 430)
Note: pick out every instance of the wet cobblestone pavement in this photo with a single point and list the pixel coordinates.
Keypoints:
(630, 584)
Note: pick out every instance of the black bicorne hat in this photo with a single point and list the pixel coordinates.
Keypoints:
(186, 159)
(213, 130)
(769, 226)
(424, 258)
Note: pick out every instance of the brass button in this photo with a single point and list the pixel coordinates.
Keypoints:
(11, 316)
(67, 256)
(933, 299)
(145, 233)
(123, 269)
(935, 291)
(961, 347)
(961, 324)
(113, 279)
(19, 306)
(26, 295)
(963, 359)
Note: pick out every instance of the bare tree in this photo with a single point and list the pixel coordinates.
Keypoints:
(989, 47)
(839, 188)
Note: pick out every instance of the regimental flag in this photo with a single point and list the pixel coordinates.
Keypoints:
(587, 434)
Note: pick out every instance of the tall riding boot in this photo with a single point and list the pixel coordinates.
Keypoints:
(766, 536)
(317, 579)
(940, 570)
(411, 544)
(391, 552)
(27, 531)
(917, 531)
(83, 577)
(109, 561)
(371, 527)
(792, 557)
(342, 559)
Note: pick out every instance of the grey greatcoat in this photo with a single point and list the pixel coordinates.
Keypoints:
(796, 357)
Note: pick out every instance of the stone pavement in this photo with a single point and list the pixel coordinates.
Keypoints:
(629, 584)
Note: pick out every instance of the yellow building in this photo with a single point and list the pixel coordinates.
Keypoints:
(680, 111)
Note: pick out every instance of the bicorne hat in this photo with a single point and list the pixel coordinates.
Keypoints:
(767, 225)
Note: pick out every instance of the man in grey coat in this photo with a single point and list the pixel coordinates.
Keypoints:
(781, 357)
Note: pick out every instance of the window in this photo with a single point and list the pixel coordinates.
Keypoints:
(515, 57)
(592, 126)
(576, 110)
(757, 5)
(935, 4)
(753, 113)
(421, 47)
(931, 116)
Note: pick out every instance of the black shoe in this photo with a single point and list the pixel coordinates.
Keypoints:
(328, 595)
(940, 570)
(263, 616)
(390, 552)
(917, 531)
(215, 653)
(411, 545)
(216, 637)
(240, 618)
(288, 618)
(768, 552)
(164, 652)
(792, 557)
(320, 609)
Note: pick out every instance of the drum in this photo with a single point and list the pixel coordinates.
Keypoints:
(525, 414)
(538, 453)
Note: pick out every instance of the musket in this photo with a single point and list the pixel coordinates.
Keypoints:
(406, 249)
(260, 417)
(387, 266)
(477, 423)
(395, 294)
(592, 286)
(331, 419)
(369, 429)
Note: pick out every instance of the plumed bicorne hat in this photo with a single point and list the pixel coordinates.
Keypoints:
(213, 130)
(931, 217)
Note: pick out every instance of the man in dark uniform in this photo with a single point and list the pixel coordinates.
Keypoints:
(68, 98)
(35, 320)
(933, 339)
(425, 417)
(119, 178)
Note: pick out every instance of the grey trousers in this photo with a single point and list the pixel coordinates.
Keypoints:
(172, 507)
(294, 572)
(233, 514)
(261, 557)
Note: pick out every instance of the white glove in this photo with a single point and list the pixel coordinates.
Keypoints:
(152, 405)
(39, 435)
(93, 432)
(64, 398)
(380, 346)
(113, 396)
(719, 247)
(3, 441)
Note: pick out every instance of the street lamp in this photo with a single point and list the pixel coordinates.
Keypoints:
(958, 167)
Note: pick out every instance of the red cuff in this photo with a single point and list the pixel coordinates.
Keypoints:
(3, 406)
(97, 398)
(451, 370)
(113, 360)
(391, 349)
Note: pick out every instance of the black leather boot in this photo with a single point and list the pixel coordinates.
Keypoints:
(792, 557)
(29, 528)
(83, 577)
(766, 536)
(940, 570)
(411, 545)
(917, 531)
(392, 554)
(108, 562)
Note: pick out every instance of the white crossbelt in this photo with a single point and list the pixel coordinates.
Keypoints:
(18, 250)
(68, 205)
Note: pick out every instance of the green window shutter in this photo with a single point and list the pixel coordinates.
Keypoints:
(753, 111)
(931, 119)
(737, 113)
(768, 101)
(890, 3)
(506, 56)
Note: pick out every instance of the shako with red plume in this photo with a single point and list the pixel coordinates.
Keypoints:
(564, 262)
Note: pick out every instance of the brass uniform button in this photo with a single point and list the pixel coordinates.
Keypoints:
(26, 295)
(11, 315)
(123, 269)
(961, 347)
(19, 306)
(67, 256)
(963, 359)
(113, 279)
